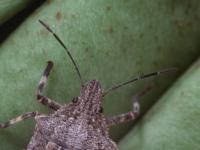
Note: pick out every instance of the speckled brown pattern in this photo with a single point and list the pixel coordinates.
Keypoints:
(77, 125)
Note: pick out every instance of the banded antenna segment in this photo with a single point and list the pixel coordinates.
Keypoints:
(66, 49)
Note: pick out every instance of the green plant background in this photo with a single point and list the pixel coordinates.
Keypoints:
(8, 8)
(112, 41)
(174, 121)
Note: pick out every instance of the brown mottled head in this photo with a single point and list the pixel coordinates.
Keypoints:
(90, 97)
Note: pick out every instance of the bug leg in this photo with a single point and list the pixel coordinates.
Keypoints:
(131, 115)
(42, 99)
(19, 118)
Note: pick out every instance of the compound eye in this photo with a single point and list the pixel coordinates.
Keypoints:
(75, 100)
(101, 110)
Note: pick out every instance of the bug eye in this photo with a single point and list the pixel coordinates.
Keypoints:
(101, 110)
(75, 100)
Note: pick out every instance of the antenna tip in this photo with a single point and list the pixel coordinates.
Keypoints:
(45, 25)
(41, 22)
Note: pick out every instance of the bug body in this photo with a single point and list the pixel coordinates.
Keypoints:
(79, 125)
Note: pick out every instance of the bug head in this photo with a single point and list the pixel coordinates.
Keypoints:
(90, 97)
(91, 89)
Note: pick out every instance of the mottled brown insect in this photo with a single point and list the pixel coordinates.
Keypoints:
(79, 125)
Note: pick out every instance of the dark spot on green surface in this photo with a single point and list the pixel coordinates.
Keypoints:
(197, 18)
(107, 53)
(158, 48)
(43, 33)
(124, 50)
(177, 23)
(150, 26)
(49, 1)
(75, 42)
(108, 8)
(125, 1)
(182, 93)
(156, 63)
(86, 49)
(129, 40)
(141, 35)
(110, 30)
(73, 16)
(189, 24)
(156, 37)
(183, 24)
(125, 27)
(188, 8)
(58, 16)
(15, 111)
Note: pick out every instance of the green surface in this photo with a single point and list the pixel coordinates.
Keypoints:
(10, 7)
(173, 124)
(111, 41)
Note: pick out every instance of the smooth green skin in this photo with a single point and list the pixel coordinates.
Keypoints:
(173, 124)
(111, 41)
(10, 7)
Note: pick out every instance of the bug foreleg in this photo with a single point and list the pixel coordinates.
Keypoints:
(42, 99)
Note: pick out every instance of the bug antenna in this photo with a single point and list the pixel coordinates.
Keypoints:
(66, 49)
(141, 77)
